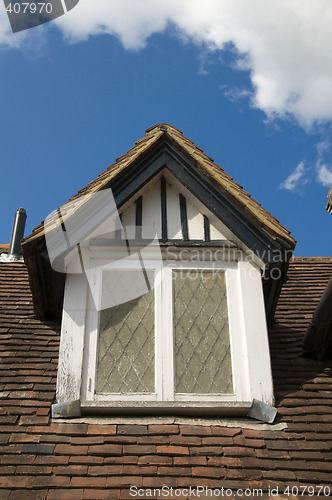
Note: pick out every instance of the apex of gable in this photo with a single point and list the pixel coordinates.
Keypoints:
(164, 148)
(162, 137)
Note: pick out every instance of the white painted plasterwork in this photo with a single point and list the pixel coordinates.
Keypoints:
(251, 368)
(248, 337)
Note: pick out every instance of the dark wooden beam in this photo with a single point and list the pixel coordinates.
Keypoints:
(184, 218)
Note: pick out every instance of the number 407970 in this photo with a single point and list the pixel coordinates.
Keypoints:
(29, 8)
(310, 491)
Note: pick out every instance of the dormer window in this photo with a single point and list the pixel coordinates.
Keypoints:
(184, 340)
(164, 311)
(175, 344)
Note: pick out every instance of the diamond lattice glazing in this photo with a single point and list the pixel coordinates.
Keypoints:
(125, 362)
(202, 345)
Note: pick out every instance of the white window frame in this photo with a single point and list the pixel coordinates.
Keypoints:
(251, 370)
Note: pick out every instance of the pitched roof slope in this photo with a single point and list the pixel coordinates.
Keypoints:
(223, 181)
(42, 459)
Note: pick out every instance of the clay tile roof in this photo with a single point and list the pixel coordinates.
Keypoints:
(4, 248)
(223, 181)
(44, 459)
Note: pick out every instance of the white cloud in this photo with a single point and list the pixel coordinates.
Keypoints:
(286, 45)
(295, 179)
(324, 174)
(323, 147)
(236, 94)
(132, 21)
(7, 38)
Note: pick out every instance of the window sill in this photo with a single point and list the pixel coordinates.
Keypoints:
(166, 408)
(243, 423)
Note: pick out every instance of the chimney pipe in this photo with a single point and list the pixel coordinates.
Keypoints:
(17, 233)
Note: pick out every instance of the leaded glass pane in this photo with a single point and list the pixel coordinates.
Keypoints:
(202, 346)
(125, 361)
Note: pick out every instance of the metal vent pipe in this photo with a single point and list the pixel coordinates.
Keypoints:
(17, 232)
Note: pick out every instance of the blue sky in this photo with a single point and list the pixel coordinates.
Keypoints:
(255, 96)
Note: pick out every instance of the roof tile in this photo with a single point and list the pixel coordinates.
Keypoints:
(223, 181)
(84, 459)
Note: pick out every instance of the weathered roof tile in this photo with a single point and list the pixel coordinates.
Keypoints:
(79, 460)
(223, 181)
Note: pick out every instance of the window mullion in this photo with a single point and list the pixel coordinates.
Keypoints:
(167, 335)
(91, 340)
(159, 347)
